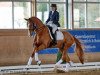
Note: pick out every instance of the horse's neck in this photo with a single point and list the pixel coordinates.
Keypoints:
(41, 26)
(41, 29)
(39, 23)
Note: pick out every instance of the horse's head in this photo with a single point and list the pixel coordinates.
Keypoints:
(33, 24)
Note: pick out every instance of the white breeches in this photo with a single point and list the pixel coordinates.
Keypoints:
(54, 27)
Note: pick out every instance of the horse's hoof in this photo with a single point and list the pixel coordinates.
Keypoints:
(71, 63)
(60, 71)
(58, 66)
(39, 63)
(67, 67)
(55, 68)
(27, 67)
(66, 70)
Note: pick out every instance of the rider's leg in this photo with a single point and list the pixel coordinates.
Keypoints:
(54, 29)
(53, 33)
(54, 37)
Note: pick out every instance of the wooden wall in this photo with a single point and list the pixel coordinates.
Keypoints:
(16, 48)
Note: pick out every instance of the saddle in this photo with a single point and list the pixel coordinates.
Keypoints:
(57, 36)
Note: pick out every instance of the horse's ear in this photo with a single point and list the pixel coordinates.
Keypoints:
(26, 19)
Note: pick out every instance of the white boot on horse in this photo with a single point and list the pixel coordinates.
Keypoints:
(59, 67)
(36, 59)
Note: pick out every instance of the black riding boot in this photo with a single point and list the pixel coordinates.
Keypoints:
(54, 39)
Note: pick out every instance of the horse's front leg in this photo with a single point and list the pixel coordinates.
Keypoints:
(31, 58)
(35, 52)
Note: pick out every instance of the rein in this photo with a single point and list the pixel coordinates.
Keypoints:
(41, 27)
(38, 29)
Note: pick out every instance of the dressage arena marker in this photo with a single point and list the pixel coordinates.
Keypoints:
(48, 68)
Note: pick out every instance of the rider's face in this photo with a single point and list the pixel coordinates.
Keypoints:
(53, 8)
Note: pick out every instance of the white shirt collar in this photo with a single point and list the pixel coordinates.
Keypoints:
(52, 12)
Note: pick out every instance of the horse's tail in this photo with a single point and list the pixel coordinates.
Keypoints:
(79, 50)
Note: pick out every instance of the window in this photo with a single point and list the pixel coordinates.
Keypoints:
(43, 8)
(79, 15)
(58, 0)
(93, 0)
(25, 11)
(80, 0)
(12, 14)
(42, 11)
(5, 15)
(42, 0)
(62, 13)
(85, 13)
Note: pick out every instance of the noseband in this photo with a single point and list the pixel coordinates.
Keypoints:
(35, 27)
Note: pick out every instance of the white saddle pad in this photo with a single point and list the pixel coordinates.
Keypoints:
(59, 35)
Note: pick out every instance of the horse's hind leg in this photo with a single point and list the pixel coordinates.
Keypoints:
(63, 50)
(59, 45)
(65, 56)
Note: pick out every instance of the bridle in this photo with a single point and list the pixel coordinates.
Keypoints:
(35, 27)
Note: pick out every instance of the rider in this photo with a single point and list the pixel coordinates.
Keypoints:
(52, 20)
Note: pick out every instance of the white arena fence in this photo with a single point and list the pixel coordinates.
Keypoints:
(48, 68)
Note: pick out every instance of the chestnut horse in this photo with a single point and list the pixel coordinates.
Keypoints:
(42, 41)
